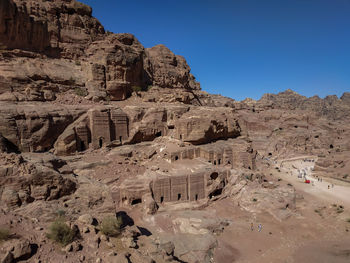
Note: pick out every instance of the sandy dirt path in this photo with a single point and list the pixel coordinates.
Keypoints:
(326, 190)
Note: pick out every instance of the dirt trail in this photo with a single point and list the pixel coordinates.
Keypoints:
(325, 190)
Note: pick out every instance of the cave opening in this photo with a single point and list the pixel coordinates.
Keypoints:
(136, 201)
(213, 176)
(215, 193)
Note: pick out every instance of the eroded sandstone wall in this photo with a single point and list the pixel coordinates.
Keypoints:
(18, 29)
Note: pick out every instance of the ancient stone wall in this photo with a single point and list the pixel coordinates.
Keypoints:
(119, 126)
(161, 190)
(83, 137)
(245, 160)
(196, 187)
(176, 188)
(216, 157)
(179, 188)
(228, 156)
(100, 128)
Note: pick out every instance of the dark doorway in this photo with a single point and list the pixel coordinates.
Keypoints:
(100, 142)
(82, 146)
(158, 134)
(180, 136)
(196, 197)
(213, 176)
(219, 161)
(121, 139)
(178, 196)
(176, 158)
(215, 162)
(161, 199)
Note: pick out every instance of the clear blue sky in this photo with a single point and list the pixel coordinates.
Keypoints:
(245, 48)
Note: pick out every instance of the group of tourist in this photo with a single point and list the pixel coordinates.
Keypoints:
(252, 227)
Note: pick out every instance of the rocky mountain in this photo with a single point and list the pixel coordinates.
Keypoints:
(94, 124)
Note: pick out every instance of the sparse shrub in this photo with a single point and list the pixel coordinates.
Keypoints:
(110, 225)
(60, 232)
(348, 220)
(255, 200)
(4, 233)
(61, 213)
(136, 88)
(77, 62)
(345, 176)
(80, 92)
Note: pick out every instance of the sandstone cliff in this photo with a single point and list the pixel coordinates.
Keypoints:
(61, 47)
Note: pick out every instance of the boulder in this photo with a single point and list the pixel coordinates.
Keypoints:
(23, 250)
(87, 219)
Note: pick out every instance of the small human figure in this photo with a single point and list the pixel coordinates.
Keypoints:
(259, 227)
(328, 186)
(251, 227)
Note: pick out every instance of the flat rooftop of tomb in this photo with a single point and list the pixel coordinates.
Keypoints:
(184, 167)
(217, 145)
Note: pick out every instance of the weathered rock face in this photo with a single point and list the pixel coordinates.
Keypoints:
(26, 181)
(117, 66)
(132, 124)
(105, 66)
(205, 125)
(32, 128)
(169, 70)
(70, 25)
(18, 29)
